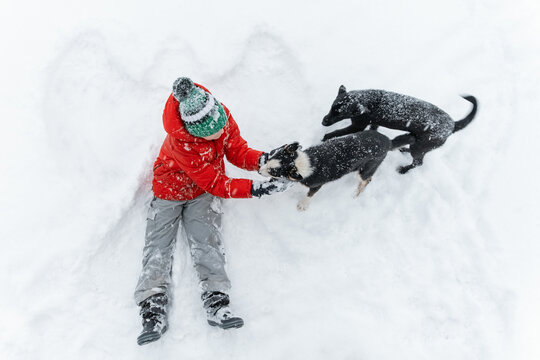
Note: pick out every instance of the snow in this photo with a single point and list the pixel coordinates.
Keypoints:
(441, 263)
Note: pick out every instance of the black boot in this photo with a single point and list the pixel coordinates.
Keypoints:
(217, 310)
(154, 315)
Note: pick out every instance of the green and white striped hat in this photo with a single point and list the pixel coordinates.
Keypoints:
(201, 113)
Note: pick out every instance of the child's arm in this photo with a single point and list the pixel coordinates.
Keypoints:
(237, 150)
(210, 179)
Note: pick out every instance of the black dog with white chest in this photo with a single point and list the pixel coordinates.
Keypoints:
(428, 126)
(328, 161)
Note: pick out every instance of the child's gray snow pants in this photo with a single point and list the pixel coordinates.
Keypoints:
(201, 219)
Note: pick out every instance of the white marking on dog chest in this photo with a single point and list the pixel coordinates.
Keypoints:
(302, 164)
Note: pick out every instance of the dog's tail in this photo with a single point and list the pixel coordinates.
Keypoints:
(467, 119)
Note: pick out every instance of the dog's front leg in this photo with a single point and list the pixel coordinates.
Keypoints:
(345, 131)
(304, 203)
(356, 126)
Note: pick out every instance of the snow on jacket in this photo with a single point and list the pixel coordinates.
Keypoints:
(188, 166)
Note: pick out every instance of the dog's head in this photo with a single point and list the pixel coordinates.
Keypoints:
(345, 106)
(287, 162)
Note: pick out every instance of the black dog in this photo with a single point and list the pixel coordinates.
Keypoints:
(328, 161)
(428, 126)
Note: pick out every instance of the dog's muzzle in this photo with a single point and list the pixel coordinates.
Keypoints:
(325, 121)
(328, 120)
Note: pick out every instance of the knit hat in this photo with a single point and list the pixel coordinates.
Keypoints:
(201, 113)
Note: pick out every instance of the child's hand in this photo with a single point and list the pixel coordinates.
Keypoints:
(270, 187)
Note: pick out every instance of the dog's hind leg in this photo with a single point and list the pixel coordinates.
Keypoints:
(417, 152)
(304, 203)
(402, 140)
(366, 173)
(362, 185)
(419, 149)
(405, 169)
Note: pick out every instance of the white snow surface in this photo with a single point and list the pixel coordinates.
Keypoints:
(441, 263)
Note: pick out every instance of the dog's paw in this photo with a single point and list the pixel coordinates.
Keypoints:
(303, 204)
(403, 169)
(361, 187)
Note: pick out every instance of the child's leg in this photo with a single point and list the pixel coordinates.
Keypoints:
(161, 229)
(202, 222)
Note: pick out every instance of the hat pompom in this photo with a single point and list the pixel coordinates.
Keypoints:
(182, 87)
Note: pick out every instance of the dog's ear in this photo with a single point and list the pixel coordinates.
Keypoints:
(342, 90)
(291, 148)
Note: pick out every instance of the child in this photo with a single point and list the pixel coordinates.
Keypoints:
(189, 182)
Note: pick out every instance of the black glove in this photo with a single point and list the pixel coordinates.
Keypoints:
(272, 186)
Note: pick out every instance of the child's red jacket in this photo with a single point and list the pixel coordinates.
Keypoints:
(188, 166)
